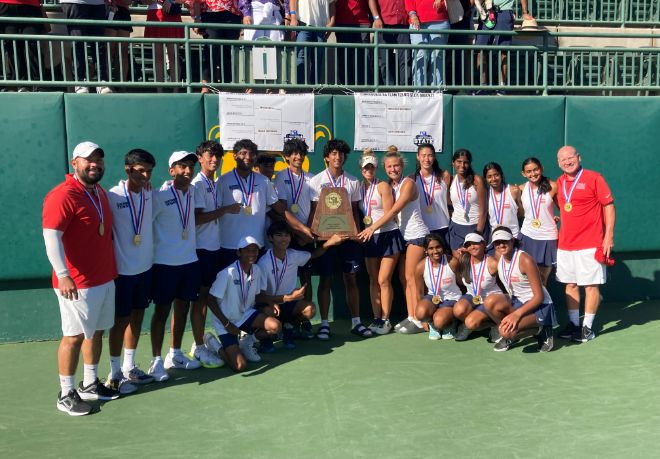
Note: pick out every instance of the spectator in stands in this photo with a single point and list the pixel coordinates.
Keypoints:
(165, 11)
(28, 65)
(503, 19)
(214, 57)
(314, 13)
(118, 11)
(394, 65)
(263, 12)
(353, 66)
(458, 64)
(88, 10)
(428, 64)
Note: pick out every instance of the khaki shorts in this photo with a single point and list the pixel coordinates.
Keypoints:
(93, 310)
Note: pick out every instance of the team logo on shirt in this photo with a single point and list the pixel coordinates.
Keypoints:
(170, 202)
(294, 134)
(237, 282)
(423, 137)
(122, 205)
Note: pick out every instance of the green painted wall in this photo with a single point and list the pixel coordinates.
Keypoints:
(616, 136)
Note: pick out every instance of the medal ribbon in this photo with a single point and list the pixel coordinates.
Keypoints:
(367, 195)
(536, 203)
(211, 185)
(184, 214)
(136, 217)
(244, 290)
(506, 273)
(462, 194)
(279, 275)
(477, 279)
(499, 208)
(339, 183)
(99, 208)
(431, 189)
(567, 196)
(436, 281)
(296, 190)
(246, 193)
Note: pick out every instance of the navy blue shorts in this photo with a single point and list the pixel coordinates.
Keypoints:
(210, 262)
(384, 244)
(286, 311)
(228, 339)
(457, 234)
(175, 282)
(132, 292)
(419, 242)
(307, 267)
(227, 257)
(350, 254)
(479, 307)
(443, 304)
(545, 314)
(505, 22)
(544, 253)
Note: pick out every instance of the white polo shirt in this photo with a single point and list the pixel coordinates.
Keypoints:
(233, 227)
(285, 191)
(294, 260)
(170, 248)
(207, 199)
(322, 180)
(131, 259)
(227, 290)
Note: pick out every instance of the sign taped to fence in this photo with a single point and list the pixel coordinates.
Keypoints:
(402, 119)
(266, 119)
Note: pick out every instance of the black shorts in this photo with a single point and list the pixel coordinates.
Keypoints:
(132, 292)
(176, 282)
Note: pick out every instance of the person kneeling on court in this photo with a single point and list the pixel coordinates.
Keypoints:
(232, 301)
(528, 305)
(280, 267)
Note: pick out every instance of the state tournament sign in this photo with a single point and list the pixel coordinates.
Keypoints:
(266, 119)
(402, 119)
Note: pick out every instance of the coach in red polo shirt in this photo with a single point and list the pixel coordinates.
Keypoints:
(77, 227)
(586, 237)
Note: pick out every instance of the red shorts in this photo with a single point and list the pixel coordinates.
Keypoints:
(162, 32)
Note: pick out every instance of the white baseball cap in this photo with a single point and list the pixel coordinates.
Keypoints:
(473, 237)
(501, 235)
(180, 155)
(85, 150)
(247, 240)
(369, 159)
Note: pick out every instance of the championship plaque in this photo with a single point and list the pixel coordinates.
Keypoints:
(334, 214)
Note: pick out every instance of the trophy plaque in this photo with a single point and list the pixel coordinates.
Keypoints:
(334, 214)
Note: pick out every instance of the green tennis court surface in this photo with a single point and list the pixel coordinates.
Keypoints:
(390, 396)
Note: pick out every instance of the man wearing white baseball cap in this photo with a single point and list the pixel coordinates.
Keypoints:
(232, 301)
(176, 271)
(76, 223)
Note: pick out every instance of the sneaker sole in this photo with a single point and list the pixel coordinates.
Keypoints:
(97, 398)
(63, 409)
(161, 379)
(211, 365)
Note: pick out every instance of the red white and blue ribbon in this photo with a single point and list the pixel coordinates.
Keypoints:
(536, 203)
(212, 187)
(477, 278)
(428, 192)
(279, 275)
(462, 194)
(246, 191)
(498, 207)
(184, 213)
(367, 195)
(137, 215)
(436, 280)
(245, 285)
(506, 272)
(296, 190)
(567, 195)
(339, 183)
(99, 207)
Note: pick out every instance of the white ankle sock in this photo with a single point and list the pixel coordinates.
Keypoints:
(589, 320)
(89, 374)
(574, 316)
(129, 359)
(115, 365)
(416, 322)
(355, 321)
(67, 383)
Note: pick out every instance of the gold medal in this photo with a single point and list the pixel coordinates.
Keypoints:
(247, 210)
(367, 220)
(435, 299)
(476, 299)
(137, 240)
(101, 229)
(184, 234)
(295, 208)
(536, 223)
(568, 207)
(429, 209)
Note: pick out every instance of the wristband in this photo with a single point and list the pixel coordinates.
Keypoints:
(376, 18)
(293, 12)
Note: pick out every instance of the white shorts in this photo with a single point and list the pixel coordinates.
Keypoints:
(580, 267)
(93, 310)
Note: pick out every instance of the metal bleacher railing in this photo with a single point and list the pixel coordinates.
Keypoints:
(538, 64)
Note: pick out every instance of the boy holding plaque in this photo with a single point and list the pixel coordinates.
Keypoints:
(334, 176)
(176, 268)
(131, 205)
